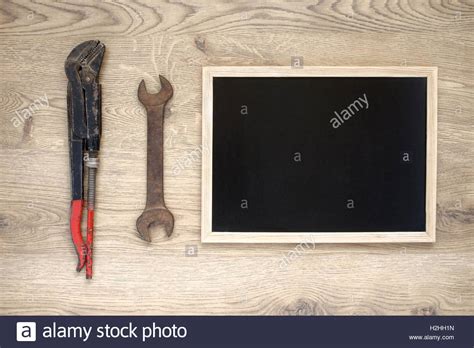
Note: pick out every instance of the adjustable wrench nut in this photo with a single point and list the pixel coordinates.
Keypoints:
(92, 162)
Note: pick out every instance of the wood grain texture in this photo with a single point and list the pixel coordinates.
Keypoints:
(145, 38)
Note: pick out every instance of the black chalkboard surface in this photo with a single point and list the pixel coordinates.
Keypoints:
(319, 154)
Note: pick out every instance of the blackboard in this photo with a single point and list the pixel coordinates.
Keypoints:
(297, 154)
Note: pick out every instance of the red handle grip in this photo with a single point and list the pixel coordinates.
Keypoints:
(75, 225)
(90, 238)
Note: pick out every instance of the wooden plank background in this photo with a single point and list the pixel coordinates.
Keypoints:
(176, 38)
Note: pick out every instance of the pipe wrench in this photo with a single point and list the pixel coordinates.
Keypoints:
(82, 68)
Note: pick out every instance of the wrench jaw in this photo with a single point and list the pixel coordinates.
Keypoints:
(155, 99)
(88, 54)
(154, 216)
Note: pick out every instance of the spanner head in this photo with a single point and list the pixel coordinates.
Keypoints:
(155, 99)
(154, 216)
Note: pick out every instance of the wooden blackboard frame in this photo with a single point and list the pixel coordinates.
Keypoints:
(209, 236)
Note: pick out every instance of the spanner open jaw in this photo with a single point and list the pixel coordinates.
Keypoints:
(82, 68)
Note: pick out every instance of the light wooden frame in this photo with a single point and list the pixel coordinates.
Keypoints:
(208, 236)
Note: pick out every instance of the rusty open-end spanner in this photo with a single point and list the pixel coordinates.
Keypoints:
(155, 212)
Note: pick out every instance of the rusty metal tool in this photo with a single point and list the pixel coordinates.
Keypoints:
(155, 212)
(82, 68)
